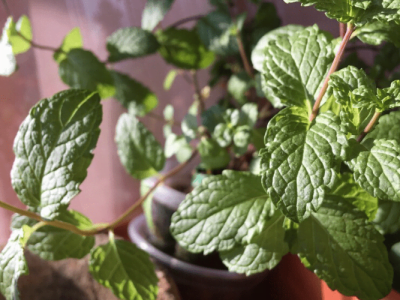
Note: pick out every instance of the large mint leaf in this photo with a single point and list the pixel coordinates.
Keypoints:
(130, 42)
(12, 265)
(8, 62)
(347, 189)
(339, 245)
(154, 12)
(378, 170)
(341, 87)
(71, 41)
(259, 51)
(183, 48)
(222, 211)
(301, 160)
(81, 69)
(215, 31)
(387, 218)
(51, 243)
(125, 269)
(134, 96)
(18, 34)
(139, 152)
(53, 150)
(356, 11)
(264, 251)
(295, 66)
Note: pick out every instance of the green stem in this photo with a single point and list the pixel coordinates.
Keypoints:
(334, 66)
(139, 202)
(55, 223)
(34, 45)
(369, 127)
(185, 20)
(197, 91)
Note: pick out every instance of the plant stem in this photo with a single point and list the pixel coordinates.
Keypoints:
(185, 20)
(243, 55)
(342, 29)
(369, 127)
(197, 91)
(55, 223)
(334, 66)
(161, 119)
(139, 202)
(34, 45)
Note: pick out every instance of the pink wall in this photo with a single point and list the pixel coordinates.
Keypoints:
(108, 190)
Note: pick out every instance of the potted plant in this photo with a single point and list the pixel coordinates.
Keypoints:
(312, 171)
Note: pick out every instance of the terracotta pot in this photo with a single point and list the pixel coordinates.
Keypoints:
(195, 282)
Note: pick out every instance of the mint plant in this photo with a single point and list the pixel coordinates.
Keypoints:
(301, 155)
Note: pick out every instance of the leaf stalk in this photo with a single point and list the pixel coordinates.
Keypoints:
(369, 127)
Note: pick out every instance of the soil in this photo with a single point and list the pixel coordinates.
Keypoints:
(70, 280)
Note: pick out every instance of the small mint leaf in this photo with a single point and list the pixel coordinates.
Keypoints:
(12, 265)
(264, 251)
(14, 32)
(82, 69)
(139, 152)
(222, 211)
(125, 269)
(154, 13)
(130, 42)
(72, 40)
(8, 62)
(51, 243)
(213, 156)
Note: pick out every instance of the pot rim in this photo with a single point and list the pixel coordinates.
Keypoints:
(166, 195)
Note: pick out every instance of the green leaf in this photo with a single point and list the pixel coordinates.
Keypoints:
(183, 48)
(264, 251)
(341, 86)
(213, 157)
(257, 137)
(266, 16)
(177, 145)
(19, 34)
(169, 112)
(347, 189)
(378, 170)
(211, 117)
(387, 218)
(341, 247)
(130, 42)
(259, 52)
(134, 96)
(301, 160)
(375, 33)
(72, 40)
(125, 269)
(388, 127)
(189, 126)
(12, 265)
(154, 13)
(215, 31)
(82, 69)
(222, 211)
(238, 85)
(8, 62)
(53, 150)
(295, 67)
(169, 79)
(51, 243)
(356, 11)
(139, 152)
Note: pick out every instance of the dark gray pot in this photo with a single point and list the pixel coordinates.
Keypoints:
(195, 282)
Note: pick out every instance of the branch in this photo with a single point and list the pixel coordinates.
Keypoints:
(197, 91)
(185, 20)
(334, 66)
(243, 55)
(370, 125)
(34, 45)
(55, 223)
(139, 202)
